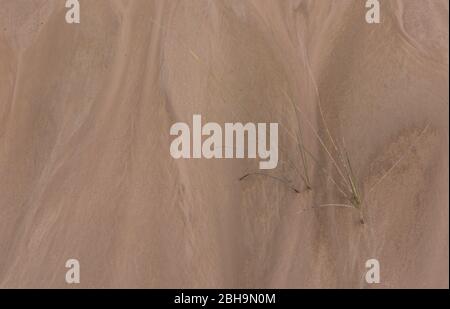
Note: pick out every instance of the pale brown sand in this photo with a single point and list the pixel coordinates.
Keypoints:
(85, 168)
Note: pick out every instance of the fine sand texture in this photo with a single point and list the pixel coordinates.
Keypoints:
(86, 172)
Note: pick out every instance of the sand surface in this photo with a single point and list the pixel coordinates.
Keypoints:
(85, 168)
